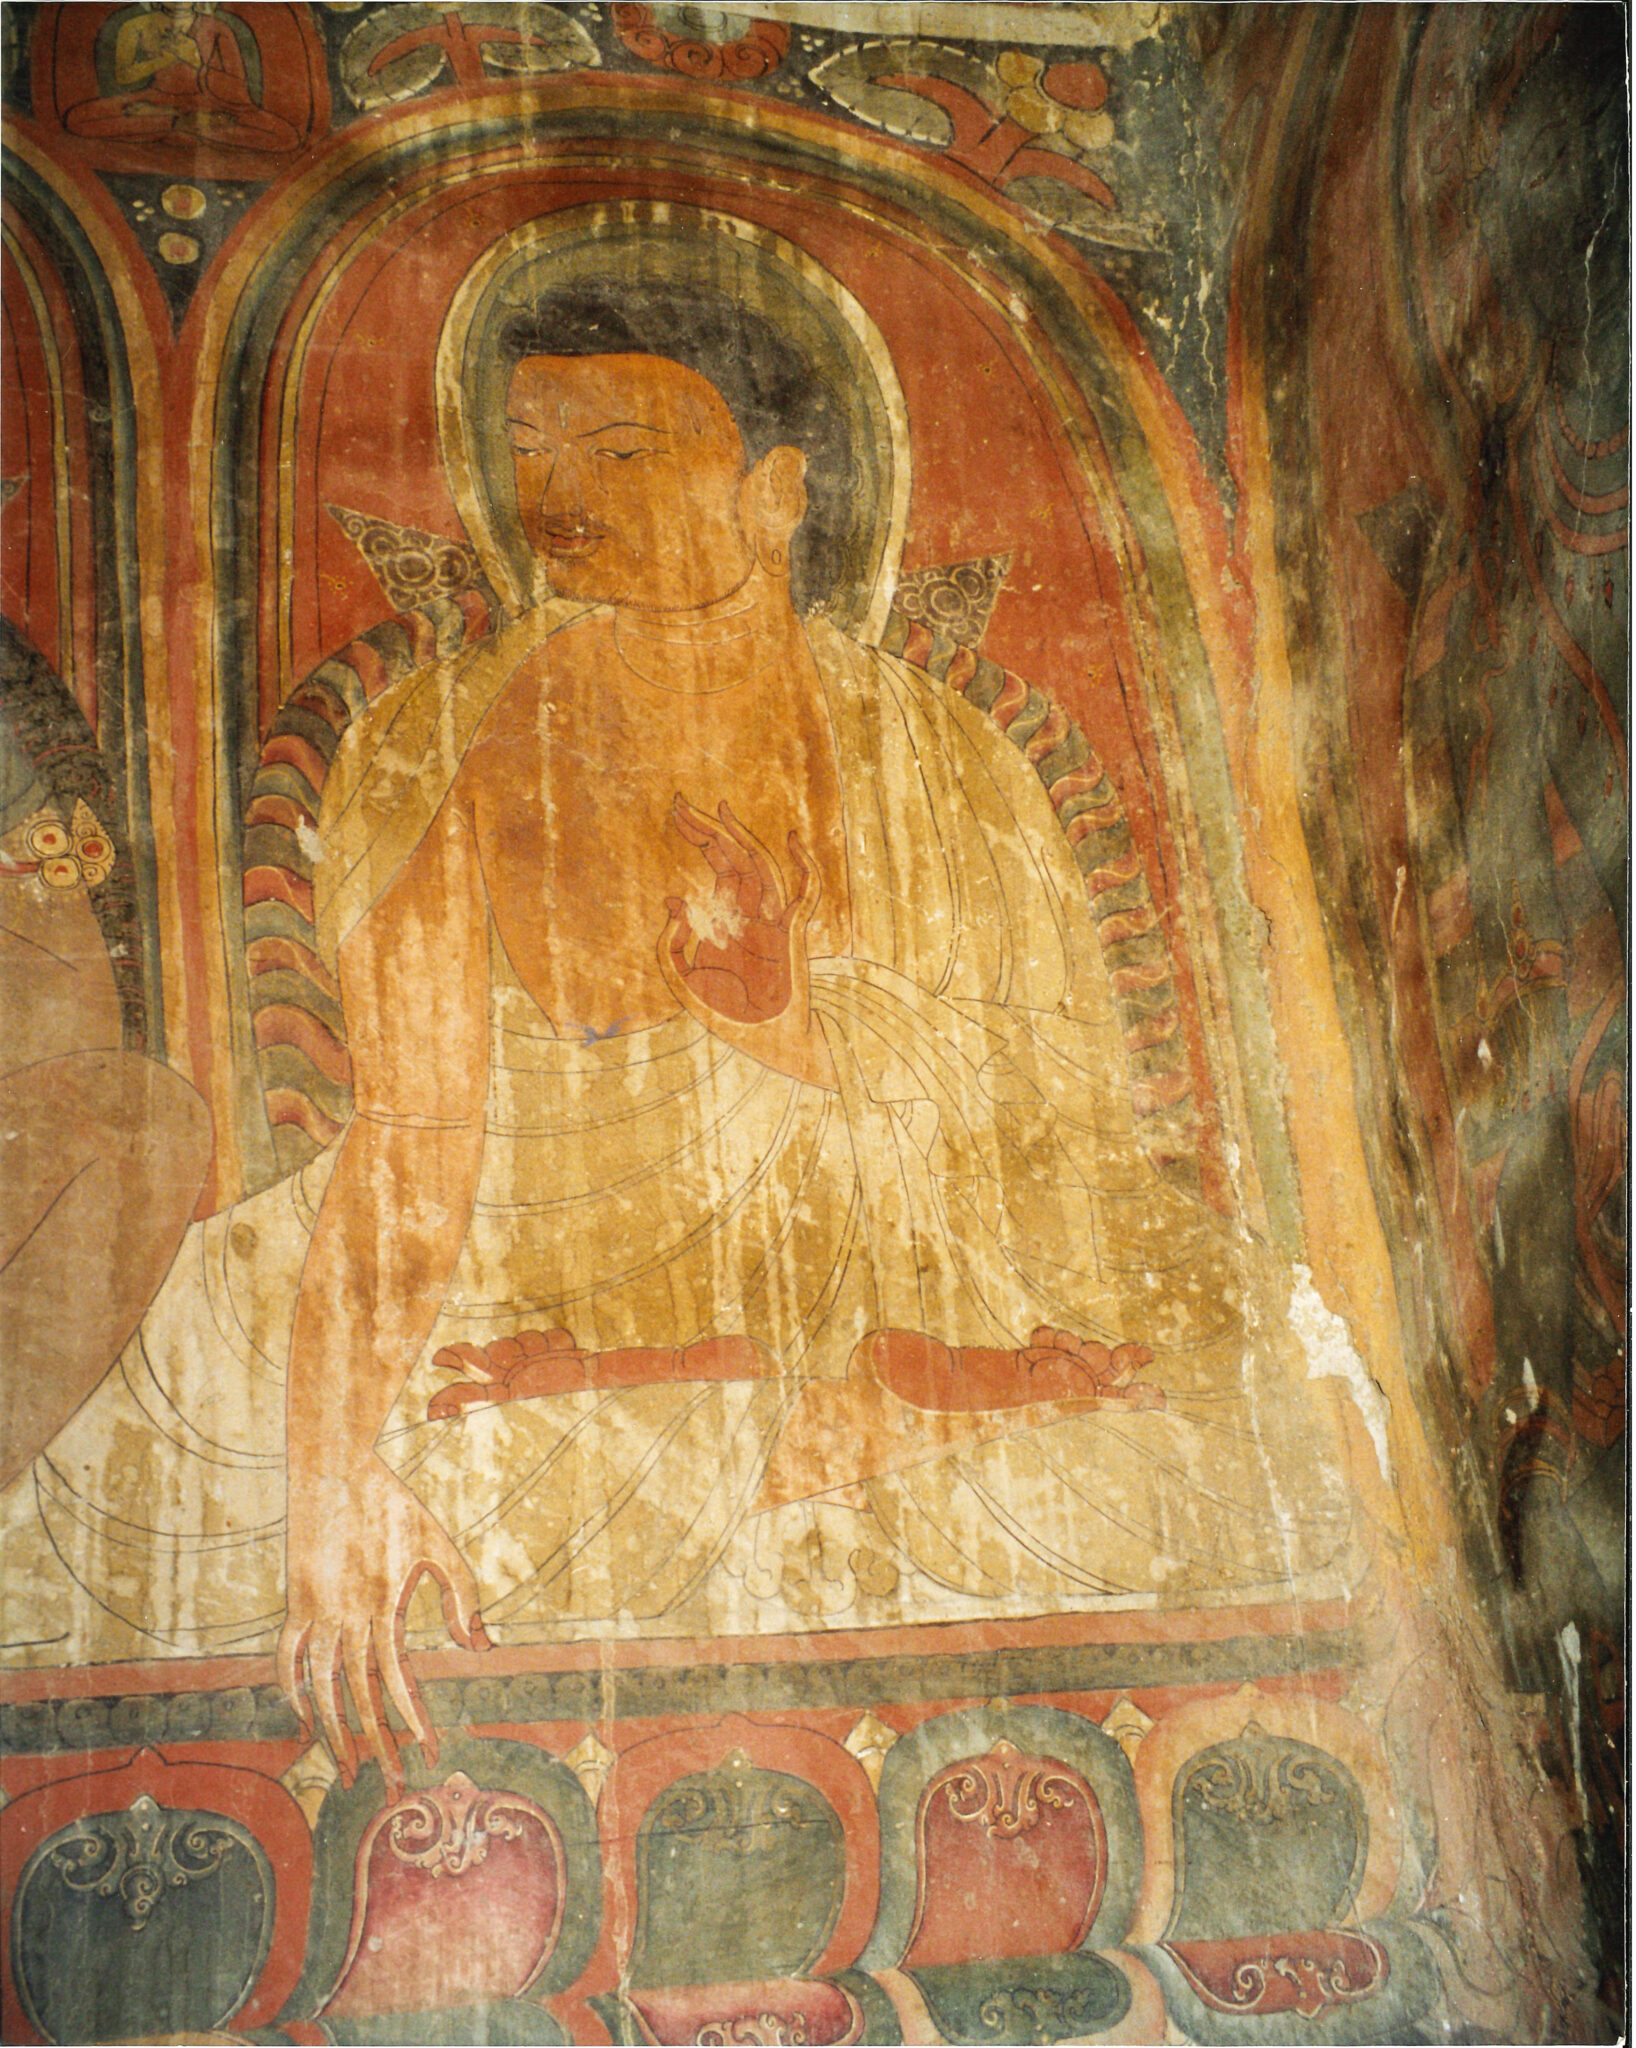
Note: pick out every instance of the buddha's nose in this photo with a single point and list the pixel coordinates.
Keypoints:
(563, 497)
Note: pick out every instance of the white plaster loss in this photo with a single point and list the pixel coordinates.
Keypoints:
(306, 837)
(1117, 25)
(1331, 1354)
(1567, 1647)
(712, 917)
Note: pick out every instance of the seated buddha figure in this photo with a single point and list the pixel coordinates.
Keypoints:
(178, 71)
(741, 1117)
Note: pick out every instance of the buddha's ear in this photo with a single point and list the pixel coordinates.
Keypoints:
(772, 500)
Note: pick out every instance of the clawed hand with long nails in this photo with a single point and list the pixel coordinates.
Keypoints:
(346, 1606)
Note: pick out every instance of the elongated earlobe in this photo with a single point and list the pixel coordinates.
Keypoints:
(772, 504)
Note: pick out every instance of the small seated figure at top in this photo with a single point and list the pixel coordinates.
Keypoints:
(178, 72)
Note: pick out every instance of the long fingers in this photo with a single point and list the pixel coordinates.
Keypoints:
(694, 825)
(400, 1686)
(448, 1402)
(806, 898)
(678, 930)
(357, 1651)
(461, 1601)
(702, 831)
(372, 1659)
(292, 1644)
(324, 1665)
(735, 854)
(470, 1359)
(672, 950)
(766, 868)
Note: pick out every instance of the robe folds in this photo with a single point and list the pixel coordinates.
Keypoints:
(977, 1174)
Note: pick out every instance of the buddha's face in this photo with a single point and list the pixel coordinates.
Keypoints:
(631, 482)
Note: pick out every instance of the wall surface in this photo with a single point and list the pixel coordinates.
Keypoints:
(813, 1032)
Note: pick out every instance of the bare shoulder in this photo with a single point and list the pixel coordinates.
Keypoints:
(546, 663)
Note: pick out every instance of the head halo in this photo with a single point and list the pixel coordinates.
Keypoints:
(651, 263)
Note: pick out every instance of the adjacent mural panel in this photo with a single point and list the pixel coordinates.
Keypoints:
(815, 1082)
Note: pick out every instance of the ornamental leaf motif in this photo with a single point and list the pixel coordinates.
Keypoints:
(1038, 2012)
(1303, 1973)
(738, 1806)
(1006, 1792)
(447, 1830)
(1321, 1981)
(1263, 1789)
(140, 1854)
(766, 2030)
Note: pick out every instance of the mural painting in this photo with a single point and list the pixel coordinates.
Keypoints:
(815, 1063)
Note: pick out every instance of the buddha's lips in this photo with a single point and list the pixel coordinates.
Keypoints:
(573, 542)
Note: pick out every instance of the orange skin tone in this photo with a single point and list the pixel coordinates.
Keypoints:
(679, 729)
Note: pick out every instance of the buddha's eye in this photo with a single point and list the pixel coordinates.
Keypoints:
(623, 454)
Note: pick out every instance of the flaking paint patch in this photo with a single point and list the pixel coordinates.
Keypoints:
(1331, 1354)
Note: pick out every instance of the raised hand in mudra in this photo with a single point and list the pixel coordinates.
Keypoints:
(743, 972)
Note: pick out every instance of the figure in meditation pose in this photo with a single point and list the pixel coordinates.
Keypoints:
(178, 71)
(741, 1115)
